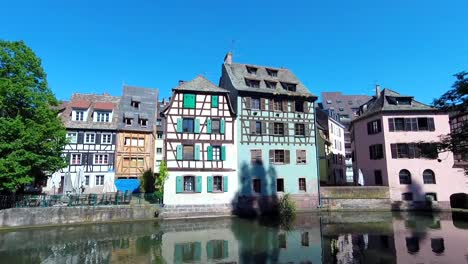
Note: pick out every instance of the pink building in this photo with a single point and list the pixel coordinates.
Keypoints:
(393, 145)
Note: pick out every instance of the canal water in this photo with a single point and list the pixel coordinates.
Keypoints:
(310, 238)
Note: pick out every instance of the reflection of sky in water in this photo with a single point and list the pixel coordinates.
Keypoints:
(334, 238)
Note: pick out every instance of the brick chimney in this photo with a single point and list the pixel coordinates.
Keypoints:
(228, 58)
(377, 90)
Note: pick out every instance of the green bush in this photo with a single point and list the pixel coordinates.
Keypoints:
(286, 211)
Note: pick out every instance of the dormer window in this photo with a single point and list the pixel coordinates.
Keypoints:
(270, 85)
(78, 115)
(102, 117)
(251, 70)
(143, 122)
(135, 104)
(403, 101)
(128, 121)
(252, 83)
(289, 86)
(272, 73)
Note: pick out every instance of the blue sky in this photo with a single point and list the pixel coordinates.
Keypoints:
(413, 47)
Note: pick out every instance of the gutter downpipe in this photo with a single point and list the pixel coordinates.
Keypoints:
(317, 158)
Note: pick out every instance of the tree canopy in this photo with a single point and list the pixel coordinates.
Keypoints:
(31, 133)
(455, 102)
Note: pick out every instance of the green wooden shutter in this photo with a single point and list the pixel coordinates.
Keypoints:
(225, 183)
(223, 152)
(189, 101)
(210, 153)
(226, 248)
(179, 125)
(179, 184)
(197, 256)
(209, 250)
(178, 252)
(179, 154)
(198, 184)
(209, 184)
(196, 129)
(214, 101)
(222, 126)
(197, 152)
(208, 126)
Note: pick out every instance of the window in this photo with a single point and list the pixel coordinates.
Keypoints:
(329, 101)
(255, 103)
(402, 150)
(188, 125)
(79, 115)
(86, 183)
(341, 109)
(189, 183)
(305, 239)
(301, 156)
(272, 73)
(430, 197)
(429, 177)
(412, 245)
(411, 124)
(355, 111)
(217, 183)
(99, 180)
(75, 159)
(188, 152)
(399, 124)
(215, 126)
(251, 70)
(282, 240)
(252, 83)
(437, 245)
(258, 127)
(413, 150)
(158, 122)
(407, 196)
(374, 127)
(280, 185)
(302, 184)
(257, 186)
(159, 150)
(128, 121)
(72, 137)
(299, 129)
(299, 106)
(278, 156)
(160, 135)
(289, 86)
(278, 129)
(277, 105)
(270, 85)
(101, 159)
(90, 138)
(140, 142)
(143, 122)
(133, 162)
(378, 177)
(102, 117)
(405, 177)
(189, 101)
(135, 104)
(256, 157)
(216, 153)
(217, 249)
(403, 101)
(106, 138)
(376, 152)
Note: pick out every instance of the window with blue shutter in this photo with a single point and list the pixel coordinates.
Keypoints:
(198, 186)
(223, 153)
(208, 126)
(179, 125)
(179, 184)
(189, 101)
(179, 154)
(225, 183)
(222, 126)
(209, 185)
(197, 152)
(214, 101)
(209, 153)
(196, 129)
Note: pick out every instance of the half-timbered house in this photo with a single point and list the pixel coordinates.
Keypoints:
(136, 132)
(275, 134)
(200, 147)
(91, 123)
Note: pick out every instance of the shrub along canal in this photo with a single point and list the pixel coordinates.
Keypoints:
(362, 237)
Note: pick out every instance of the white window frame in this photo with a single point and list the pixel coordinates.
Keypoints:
(71, 159)
(216, 153)
(101, 159)
(79, 115)
(105, 142)
(103, 116)
(99, 182)
(86, 180)
(75, 136)
(86, 140)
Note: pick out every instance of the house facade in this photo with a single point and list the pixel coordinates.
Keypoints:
(136, 132)
(200, 148)
(91, 123)
(394, 145)
(275, 134)
(160, 137)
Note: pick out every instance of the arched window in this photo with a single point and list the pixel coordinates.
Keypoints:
(429, 177)
(405, 177)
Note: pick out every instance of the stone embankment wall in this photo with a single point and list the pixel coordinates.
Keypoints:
(355, 198)
(195, 211)
(17, 217)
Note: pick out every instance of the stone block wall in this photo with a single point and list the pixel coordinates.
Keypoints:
(186, 211)
(355, 198)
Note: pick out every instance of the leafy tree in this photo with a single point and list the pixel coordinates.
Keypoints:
(162, 177)
(31, 134)
(147, 181)
(455, 102)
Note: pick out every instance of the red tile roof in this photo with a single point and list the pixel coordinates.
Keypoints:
(104, 106)
(81, 104)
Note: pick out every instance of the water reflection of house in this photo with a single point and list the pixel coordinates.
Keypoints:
(430, 239)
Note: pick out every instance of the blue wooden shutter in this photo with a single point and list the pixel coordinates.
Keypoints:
(222, 126)
(226, 248)
(209, 250)
(223, 152)
(196, 129)
(197, 255)
(197, 152)
(179, 184)
(179, 125)
(225, 183)
(208, 126)
(209, 186)
(198, 184)
(214, 101)
(179, 154)
(178, 253)
(209, 153)
(189, 101)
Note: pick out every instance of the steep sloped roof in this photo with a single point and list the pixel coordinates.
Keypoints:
(148, 99)
(200, 84)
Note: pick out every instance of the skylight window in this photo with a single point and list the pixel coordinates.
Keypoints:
(251, 70)
(272, 73)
